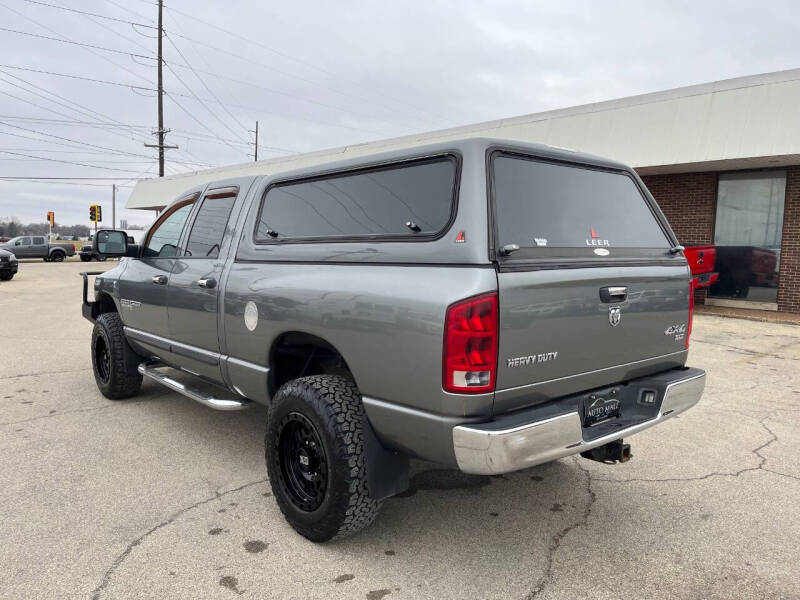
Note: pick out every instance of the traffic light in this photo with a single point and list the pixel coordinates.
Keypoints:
(99, 213)
(51, 218)
(93, 213)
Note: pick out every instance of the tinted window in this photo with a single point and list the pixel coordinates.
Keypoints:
(209, 227)
(23, 241)
(164, 240)
(546, 205)
(368, 203)
(38, 241)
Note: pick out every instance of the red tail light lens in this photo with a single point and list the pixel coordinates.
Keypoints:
(692, 286)
(470, 345)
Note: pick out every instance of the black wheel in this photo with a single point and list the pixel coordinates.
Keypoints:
(315, 457)
(85, 258)
(7, 277)
(58, 257)
(113, 360)
(46, 259)
(101, 258)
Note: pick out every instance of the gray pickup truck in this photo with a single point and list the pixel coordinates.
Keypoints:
(485, 304)
(37, 246)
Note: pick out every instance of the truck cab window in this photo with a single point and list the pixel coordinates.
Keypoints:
(38, 241)
(209, 226)
(163, 239)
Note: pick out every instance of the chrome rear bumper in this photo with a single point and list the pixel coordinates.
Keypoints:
(485, 450)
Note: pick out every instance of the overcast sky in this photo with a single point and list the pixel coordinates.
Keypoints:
(317, 75)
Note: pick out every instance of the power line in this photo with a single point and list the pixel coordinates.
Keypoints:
(67, 162)
(99, 55)
(80, 144)
(82, 12)
(54, 39)
(292, 76)
(206, 127)
(95, 53)
(188, 135)
(316, 67)
(200, 79)
(46, 182)
(80, 109)
(66, 178)
(126, 85)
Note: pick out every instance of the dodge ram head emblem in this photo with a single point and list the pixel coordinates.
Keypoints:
(614, 315)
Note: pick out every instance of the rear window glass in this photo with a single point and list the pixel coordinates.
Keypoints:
(209, 226)
(405, 200)
(547, 205)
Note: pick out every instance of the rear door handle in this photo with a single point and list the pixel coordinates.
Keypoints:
(160, 279)
(208, 282)
(613, 293)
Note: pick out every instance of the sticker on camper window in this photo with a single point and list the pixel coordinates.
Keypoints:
(540, 242)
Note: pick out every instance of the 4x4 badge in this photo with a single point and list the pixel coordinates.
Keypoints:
(614, 315)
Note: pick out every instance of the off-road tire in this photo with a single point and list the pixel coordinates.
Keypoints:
(101, 258)
(7, 277)
(85, 258)
(333, 406)
(58, 256)
(118, 379)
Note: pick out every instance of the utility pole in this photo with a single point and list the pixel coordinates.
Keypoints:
(161, 131)
(255, 157)
(113, 206)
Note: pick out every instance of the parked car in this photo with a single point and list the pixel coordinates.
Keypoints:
(485, 304)
(702, 260)
(37, 246)
(8, 265)
(87, 253)
(741, 267)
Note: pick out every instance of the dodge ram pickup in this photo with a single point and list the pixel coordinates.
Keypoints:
(481, 303)
(37, 246)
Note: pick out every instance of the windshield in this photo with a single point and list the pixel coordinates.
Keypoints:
(546, 205)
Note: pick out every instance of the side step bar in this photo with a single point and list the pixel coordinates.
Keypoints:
(150, 370)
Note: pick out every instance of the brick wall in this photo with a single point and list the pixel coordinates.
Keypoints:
(688, 201)
(789, 279)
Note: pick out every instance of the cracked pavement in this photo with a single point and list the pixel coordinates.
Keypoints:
(161, 497)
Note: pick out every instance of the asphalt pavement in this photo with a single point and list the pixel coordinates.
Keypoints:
(159, 497)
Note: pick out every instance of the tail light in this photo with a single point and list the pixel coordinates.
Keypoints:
(692, 286)
(470, 345)
(73, 247)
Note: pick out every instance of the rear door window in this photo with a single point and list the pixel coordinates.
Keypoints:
(38, 241)
(209, 225)
(407, 200)
(556, 209)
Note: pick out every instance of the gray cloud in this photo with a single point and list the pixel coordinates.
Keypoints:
(326, 74)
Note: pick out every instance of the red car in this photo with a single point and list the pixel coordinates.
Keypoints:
(701, 261)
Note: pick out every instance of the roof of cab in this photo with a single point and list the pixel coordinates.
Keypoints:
(155, 194)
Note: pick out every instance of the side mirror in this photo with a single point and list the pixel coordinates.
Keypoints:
(110, 243)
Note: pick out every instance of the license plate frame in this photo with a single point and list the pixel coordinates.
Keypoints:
(600, 407)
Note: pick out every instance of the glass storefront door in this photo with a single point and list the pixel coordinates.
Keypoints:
(747, 234)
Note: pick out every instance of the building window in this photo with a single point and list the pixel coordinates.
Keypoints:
(747, 234)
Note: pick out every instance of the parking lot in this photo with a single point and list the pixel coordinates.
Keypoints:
(160, 497)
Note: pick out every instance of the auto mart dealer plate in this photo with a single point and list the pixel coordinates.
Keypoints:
(600, 407)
